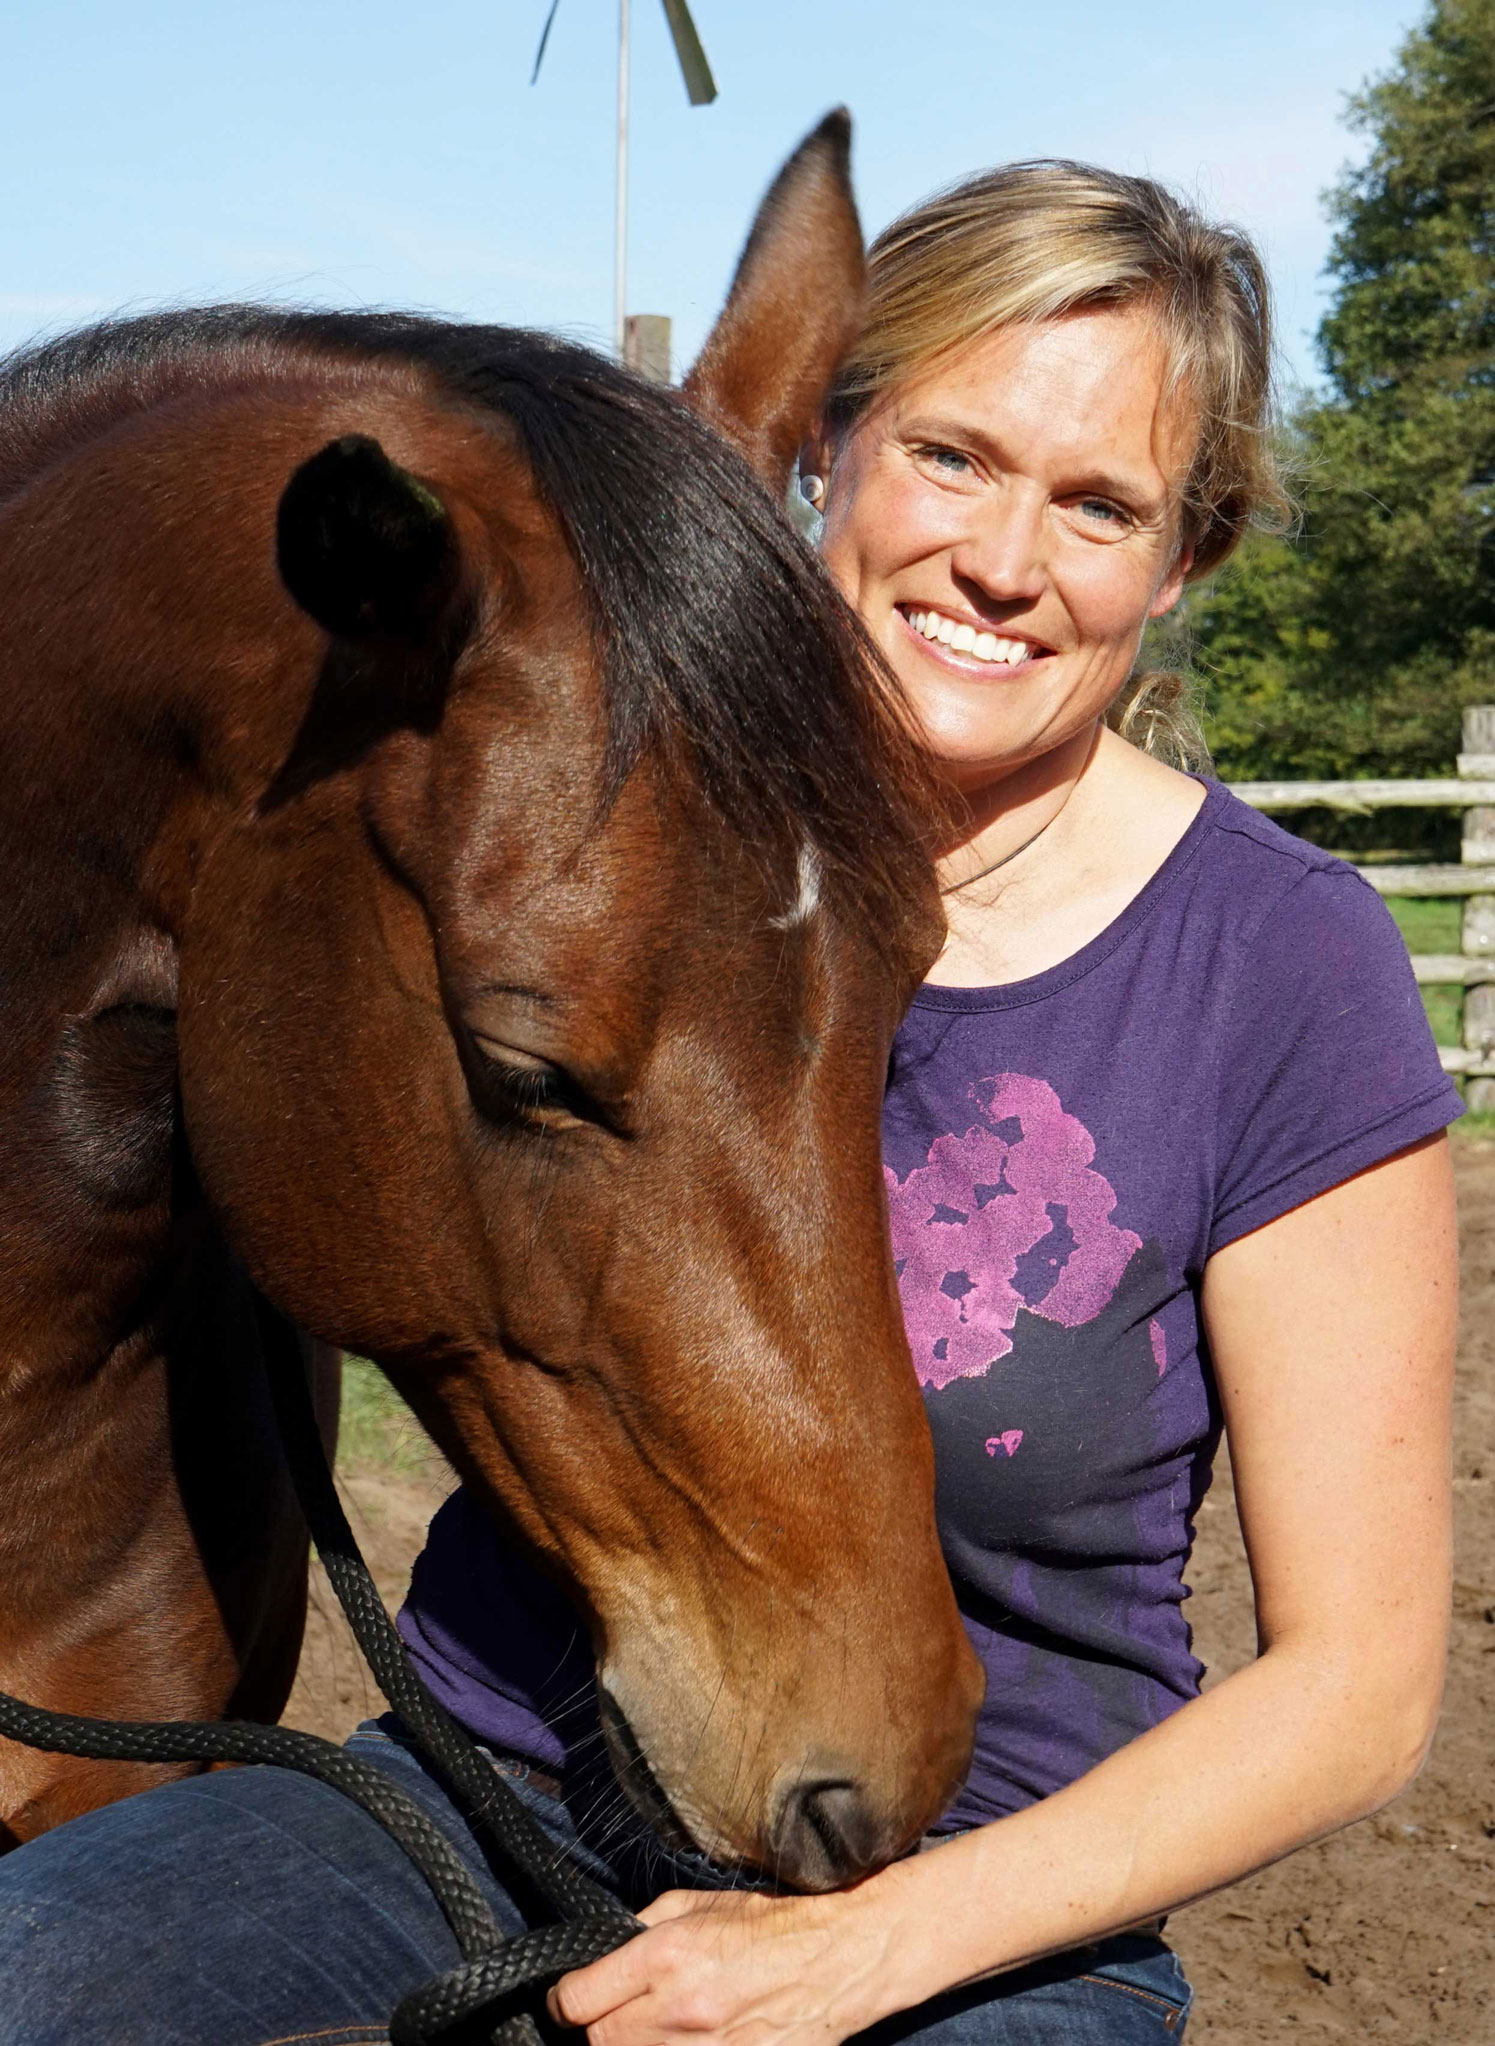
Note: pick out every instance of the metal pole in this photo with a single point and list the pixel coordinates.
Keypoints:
(620, 256)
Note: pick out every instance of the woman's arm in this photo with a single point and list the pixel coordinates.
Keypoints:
(1332, 1332)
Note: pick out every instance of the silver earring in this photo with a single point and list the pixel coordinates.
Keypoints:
(812, 489)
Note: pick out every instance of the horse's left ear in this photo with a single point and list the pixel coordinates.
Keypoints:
(366, 548)
(793, 310)
(371, 553)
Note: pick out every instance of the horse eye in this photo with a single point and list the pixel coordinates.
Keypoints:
(513, 1085)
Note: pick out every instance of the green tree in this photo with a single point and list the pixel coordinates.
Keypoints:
(1351, 649)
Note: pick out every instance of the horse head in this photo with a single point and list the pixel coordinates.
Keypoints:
(546, 891)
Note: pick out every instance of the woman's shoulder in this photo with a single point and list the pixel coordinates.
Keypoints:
(1162, 826)
(1326, 1061)
(1237, 883)
(1259, 836)
(1267, 878)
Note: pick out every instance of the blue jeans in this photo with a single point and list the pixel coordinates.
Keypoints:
(257, 1907)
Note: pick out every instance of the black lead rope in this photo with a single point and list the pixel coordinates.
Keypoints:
(488, 1990)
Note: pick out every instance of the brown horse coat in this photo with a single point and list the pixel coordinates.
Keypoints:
(461, 881)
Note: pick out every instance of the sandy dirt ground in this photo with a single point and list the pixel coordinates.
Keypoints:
(1386, 1931)
(388, 1511)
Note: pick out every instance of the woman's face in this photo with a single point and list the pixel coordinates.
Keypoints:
(1006, 524)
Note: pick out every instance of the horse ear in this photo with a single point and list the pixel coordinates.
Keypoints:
(372, 554)
(365, 547)
(793, 310)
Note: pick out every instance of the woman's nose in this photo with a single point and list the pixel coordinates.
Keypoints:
(1002, 555)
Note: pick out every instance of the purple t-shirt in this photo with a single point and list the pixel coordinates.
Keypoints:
(1063, 1154)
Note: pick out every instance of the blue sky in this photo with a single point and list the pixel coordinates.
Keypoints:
(317, 151)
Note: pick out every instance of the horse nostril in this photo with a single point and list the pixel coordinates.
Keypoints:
(826, 1834)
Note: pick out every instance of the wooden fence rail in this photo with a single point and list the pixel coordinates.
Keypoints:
(1359, 798)
(1473, 967)
(1431, 880)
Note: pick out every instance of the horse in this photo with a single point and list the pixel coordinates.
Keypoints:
(462, 877)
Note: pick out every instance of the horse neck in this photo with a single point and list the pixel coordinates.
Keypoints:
(47, 419)
(144, 692)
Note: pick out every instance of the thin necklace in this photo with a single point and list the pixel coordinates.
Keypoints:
(982, 872)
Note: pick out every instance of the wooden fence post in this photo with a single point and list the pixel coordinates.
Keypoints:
(646, 345)
(1478, 849)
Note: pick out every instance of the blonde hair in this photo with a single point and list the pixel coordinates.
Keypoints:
(1034, 241)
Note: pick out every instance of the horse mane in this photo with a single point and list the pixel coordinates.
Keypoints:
(726, 652)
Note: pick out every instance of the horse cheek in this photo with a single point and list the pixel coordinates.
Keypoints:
(314, 1100)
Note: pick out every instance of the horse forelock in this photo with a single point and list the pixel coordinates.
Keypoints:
(726, 655)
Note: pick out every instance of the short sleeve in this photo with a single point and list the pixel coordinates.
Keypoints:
(1328, 1062)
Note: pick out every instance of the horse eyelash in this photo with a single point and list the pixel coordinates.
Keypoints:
(507, 1094)
(521, 1091)
(524, 1086)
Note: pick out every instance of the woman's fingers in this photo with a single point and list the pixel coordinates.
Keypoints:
(587, 1994)
(670, 1904)
(648, 1960)
(600, 1995)
(709, 1969)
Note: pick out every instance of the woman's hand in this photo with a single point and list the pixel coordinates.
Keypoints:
(735, 1966)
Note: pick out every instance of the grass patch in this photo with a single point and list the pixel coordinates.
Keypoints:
(375, 1426)
(1429, 923)
(1432, 923)
(1445, 1007)
(1475, 1125)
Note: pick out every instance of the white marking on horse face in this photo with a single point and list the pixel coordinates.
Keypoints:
(807, 891)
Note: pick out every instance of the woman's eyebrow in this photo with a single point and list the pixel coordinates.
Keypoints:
(936, 426)
(954, 431)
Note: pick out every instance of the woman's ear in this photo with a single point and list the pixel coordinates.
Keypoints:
(815, 456)
(1172, 587)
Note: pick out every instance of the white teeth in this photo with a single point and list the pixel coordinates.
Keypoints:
(965, 639)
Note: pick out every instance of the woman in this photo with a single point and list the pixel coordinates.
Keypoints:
(1169, 1094)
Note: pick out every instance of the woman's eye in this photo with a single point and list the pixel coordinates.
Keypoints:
(946, 461)
(1101, 512)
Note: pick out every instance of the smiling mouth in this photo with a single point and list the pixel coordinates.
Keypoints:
(973, 643)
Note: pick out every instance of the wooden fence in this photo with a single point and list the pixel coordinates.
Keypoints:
(1473, 966)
